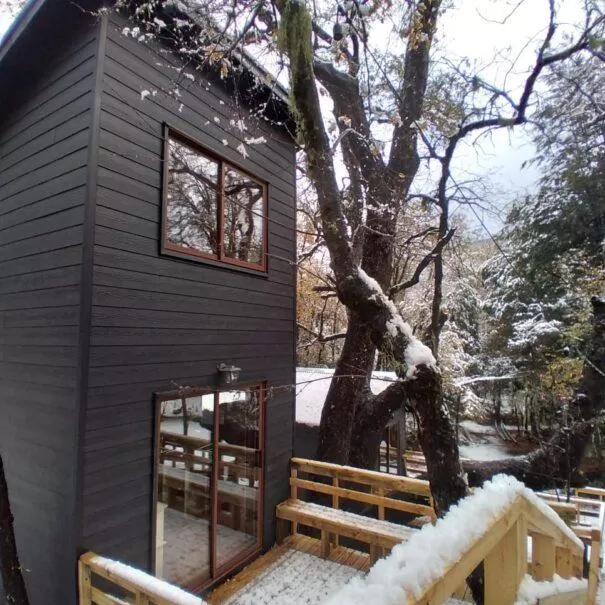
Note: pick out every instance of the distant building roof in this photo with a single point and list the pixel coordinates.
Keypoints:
(312, 386)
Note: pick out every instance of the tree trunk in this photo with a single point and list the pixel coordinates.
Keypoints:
(363, 297)
(12, 578)
(559, 459)
(348, 389)
(371, 418)
(438, 441)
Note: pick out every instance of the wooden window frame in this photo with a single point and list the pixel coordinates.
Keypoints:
(216, 573)
(169, 249)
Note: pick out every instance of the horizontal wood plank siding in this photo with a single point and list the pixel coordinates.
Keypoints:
(158, 320)
(44, 138)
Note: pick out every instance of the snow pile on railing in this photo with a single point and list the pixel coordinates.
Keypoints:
(530, 591)
(145, 582)
(416, 564)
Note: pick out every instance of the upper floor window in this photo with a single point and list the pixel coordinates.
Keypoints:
(212, 209)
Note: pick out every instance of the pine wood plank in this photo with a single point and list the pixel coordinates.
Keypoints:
(374, 478)
(593, 570)
(505, 564)
(350, 525)
(84, 584)
(563, 561)
(543, 557)
(377, 499)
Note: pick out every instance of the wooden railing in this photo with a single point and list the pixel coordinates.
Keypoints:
(595, 493)
(377, 505)
(348, 483)
(134, 586)
(191, 453)
(433, 564)
(503, 550)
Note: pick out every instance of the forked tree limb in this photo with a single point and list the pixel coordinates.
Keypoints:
(360, 294)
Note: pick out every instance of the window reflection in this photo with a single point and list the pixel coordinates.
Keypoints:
(192, 197)
(201, 457)
(243, 216)
(212, 209)
(239, 473)
(184, 489)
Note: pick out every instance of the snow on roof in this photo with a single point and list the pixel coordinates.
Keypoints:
(414, 565)
(312, 386)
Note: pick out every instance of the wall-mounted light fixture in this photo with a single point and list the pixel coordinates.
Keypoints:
(228, 374)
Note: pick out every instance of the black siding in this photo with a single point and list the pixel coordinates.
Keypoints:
(158, 320)
(47, 83)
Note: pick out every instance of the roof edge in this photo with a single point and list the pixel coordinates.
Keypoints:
(21, 22)
(32, 7)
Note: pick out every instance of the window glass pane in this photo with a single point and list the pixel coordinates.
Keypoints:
(243, 218)
(183, 530)
(191, 214)
(239, 466)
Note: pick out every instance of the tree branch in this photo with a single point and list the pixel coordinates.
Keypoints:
(423, 264)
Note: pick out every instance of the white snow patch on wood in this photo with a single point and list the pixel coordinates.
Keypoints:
(255, 140)
(295, 578)
(530, 591)
(148, 583)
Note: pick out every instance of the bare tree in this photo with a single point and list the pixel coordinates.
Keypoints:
(359, 222)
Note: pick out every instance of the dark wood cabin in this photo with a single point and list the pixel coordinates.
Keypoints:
(145, 240)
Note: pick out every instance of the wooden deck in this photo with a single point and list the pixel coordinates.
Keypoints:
(252, 575)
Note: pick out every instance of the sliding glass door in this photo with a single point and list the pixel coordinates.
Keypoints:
(209, 483)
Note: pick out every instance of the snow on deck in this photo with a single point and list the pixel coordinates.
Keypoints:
(298, 578)
(295, 578)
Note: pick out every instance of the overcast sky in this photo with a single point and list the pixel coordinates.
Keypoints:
(493, 29)
(4, 22)
(480, 31)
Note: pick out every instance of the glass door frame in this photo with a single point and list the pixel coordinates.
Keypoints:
(216, 572)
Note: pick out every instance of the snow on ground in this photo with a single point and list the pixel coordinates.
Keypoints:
(487, 444)
(312, 386)
(295, 578)
(485, 451)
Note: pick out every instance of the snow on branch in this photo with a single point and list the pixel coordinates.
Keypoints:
(415, 565)
(416, 353)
